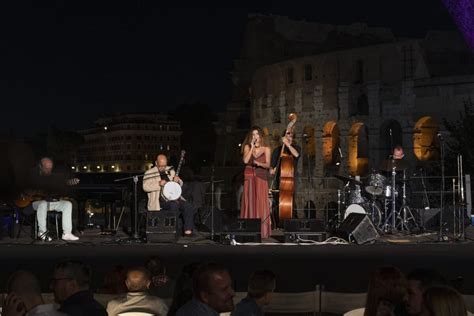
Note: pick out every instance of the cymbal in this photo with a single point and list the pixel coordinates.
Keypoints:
(389, 164)
(348, 179)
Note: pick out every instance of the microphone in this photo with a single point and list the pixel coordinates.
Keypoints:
(440, 135)
(340, 152)
(305, 135)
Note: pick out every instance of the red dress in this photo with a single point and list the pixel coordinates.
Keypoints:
(255, 195)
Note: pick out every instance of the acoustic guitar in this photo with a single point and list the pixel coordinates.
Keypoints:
(28, 197)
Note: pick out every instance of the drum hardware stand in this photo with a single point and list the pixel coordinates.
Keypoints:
(405, 213)
(373, 209)
(425, 198)
(387, 227)
(338, 208)
(459, 210)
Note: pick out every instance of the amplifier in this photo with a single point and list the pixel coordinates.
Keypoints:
(161, 227)
(242, 230)
(304, 229)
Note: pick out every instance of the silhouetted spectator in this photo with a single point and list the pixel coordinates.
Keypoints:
(443, 301)
(161, 284)
(137, 299)
(183, 290)
(114, 281)
(70, 283)
(259, 294)
(418, 281)
(386, 293)
(212, 292)
(24, 297)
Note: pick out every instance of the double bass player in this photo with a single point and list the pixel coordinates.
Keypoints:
(283, 166)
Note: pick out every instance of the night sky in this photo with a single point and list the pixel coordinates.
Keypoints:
(68, 63)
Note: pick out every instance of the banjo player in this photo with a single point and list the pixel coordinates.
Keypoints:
(154, 181)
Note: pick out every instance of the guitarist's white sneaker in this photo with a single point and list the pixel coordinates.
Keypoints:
(69, 237)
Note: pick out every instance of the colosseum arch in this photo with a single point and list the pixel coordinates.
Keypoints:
(275, 138)
(358, 148)
(331, 144)
(425, 141)
(391, 135)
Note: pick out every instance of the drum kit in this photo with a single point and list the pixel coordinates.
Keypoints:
(383, 198)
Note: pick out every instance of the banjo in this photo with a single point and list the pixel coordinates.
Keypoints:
(172, 190)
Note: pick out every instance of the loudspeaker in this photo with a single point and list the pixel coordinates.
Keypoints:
(304, 229)
(242, 230)
(161, 227)
(357, 228)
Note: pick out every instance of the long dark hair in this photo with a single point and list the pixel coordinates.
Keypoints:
(387, 284)
(248, 138)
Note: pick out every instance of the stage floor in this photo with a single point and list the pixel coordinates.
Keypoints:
(339, 268)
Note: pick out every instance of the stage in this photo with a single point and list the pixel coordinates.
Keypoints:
(300, 268)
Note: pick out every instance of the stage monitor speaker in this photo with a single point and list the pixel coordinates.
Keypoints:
(161, 227)
(357, 228)
(304, 229)
(242, 230)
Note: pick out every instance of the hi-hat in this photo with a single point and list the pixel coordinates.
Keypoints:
(398, 164)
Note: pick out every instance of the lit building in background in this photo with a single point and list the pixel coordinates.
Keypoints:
(127, 143)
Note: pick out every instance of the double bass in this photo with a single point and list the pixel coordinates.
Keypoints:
(287, 177)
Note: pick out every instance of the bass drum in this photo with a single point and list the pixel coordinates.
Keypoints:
(372, 210)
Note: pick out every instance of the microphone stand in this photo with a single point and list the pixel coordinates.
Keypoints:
(135, 236)
(212, 202)
(310, 180)
(441, 236)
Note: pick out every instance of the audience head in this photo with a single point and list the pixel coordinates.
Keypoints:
(418, 281)
(183, 291)
(46, 166)
(26, 286)
(138, 279)
(69, 278)
(114, 281)
(155, 266)
(212, 285)
(261, 286)
(443, 301)
(387, 285)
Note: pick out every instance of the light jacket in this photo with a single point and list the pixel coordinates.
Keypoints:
(151, 185)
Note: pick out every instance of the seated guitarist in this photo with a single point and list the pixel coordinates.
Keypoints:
(43, 180)
(153, 182)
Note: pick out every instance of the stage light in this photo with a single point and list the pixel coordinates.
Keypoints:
(113, 167)
(85, 167)
(73, 168)
(105, 128)
(240, 145)
(98, 167)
